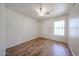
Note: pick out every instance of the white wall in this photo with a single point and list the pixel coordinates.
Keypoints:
(20, 28)
(2, 30)
(73, 30)
(47, 29)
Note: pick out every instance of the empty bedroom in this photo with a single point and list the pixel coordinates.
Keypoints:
(39, 29)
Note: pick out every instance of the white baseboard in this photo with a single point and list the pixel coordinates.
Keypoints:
(26, 40)
(71, 51)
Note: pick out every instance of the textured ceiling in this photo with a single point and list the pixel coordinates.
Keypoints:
(31, 9)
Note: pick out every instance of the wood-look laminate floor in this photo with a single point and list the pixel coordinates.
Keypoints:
(40, 47)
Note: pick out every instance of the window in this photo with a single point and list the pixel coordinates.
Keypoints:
(74, 27)
(59, 28)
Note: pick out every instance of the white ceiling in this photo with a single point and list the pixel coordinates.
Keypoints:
(30, 9)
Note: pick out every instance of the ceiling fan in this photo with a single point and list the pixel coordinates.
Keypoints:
(43, 11)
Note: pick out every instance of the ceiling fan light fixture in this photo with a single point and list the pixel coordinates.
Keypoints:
(41, 14)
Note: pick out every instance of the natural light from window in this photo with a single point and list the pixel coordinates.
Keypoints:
(59, 28)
